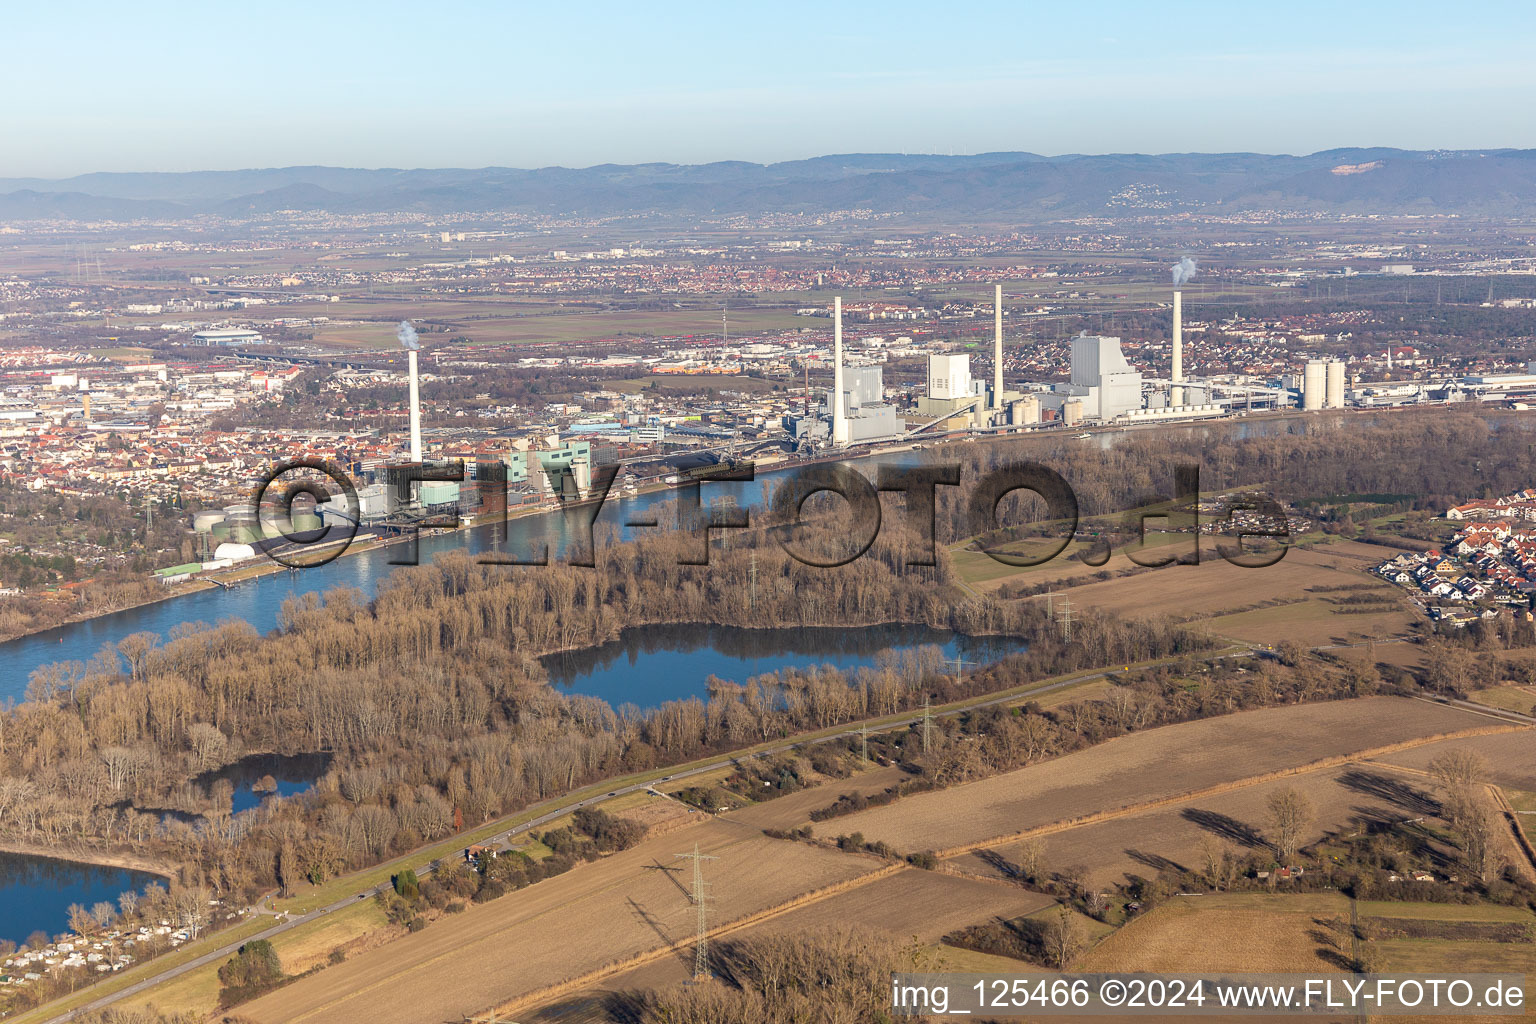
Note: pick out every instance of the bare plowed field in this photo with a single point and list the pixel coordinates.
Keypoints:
(593, 916)
(1224, 933)
(1156, 765)
(1344, 800)
(921, 904)
(1511, 757)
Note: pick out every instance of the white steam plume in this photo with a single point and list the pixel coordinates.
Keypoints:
(407, 336)
(1183, 271)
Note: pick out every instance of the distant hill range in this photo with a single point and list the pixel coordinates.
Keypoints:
(1022, 187)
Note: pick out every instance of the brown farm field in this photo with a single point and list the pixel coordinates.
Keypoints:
(594, 917)
(1267, 605)
(1511, 757)
(1156, 765)
(909, 905)
(1345, 799)
(1226, 932)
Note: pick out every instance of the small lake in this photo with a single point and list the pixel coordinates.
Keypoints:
(36, 892)
(259, 776)
(650, 665)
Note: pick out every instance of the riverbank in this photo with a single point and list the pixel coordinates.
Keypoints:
(76, 854)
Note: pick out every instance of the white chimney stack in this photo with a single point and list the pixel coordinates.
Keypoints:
(839, 420)
(997, 347)
(415, 409)
(1176, 393)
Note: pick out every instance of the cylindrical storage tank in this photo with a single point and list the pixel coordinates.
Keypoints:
(233, 552)
(241, 528)
(1026, 411)
(205, 521)
(1314, 384)
(1334, 394)
(1072, 412)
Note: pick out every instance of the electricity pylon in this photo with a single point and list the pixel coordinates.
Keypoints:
(700, 897)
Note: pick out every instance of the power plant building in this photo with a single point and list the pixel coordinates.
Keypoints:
(1103, 383)
(949, 377)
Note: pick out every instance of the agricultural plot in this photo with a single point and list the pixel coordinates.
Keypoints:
(1160, 764)
(1511, 757)
(1228, 932)
(912, 904)
(596, 916)
(1344, 800)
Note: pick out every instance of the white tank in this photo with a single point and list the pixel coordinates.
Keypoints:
(1314, 384)
(1026, 410)
(205, 521)
(1334, 393)
(233, 552)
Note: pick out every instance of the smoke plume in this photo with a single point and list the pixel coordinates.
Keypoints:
(1183, 271)
(407, 336)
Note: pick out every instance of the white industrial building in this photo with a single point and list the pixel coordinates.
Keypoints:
(228, 337)
(949, 377)
(1102, 381)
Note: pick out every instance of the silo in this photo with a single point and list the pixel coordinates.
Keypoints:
(206, 520)
(241, 527)
(1026, 411)
(1334, 392)
(1314, 384)
(1072, 411)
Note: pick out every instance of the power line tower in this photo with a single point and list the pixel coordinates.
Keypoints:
(700, 897)
(1066, 621)
(752, 582)
(960, 668)
(864, 743)
(927, 724)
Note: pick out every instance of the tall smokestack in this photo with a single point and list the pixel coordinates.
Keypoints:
(409, 342)
(839, 421)
(415, 409)
(1176, 393)
(997, 347)
(1182, 271)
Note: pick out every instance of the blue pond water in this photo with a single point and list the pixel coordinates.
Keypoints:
(36, 892)
(653, 664)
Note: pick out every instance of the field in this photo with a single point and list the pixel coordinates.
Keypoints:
(1226, 932)
(548, 326)
(1509, 698)
(1263, 606)
(1511, 757)
(1112, 851)
(595, 916)
(1160, 764)
(911, 905)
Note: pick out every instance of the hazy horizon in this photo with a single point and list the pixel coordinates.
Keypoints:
(167, 88)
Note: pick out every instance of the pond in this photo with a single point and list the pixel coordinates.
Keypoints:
(650, 665)
(287, 775)
(36, 892)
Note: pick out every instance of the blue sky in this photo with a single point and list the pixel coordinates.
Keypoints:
(170, 86)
